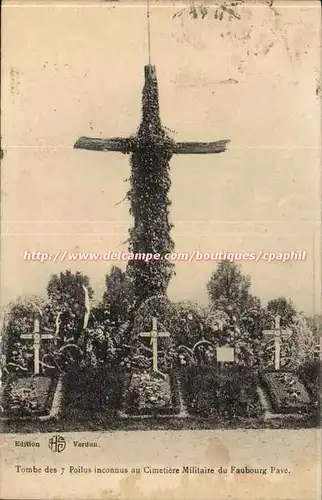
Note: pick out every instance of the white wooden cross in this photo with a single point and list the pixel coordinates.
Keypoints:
(36, 336)
(154, 335)
(277, 333)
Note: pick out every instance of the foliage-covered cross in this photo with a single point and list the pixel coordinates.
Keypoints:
(151, 148)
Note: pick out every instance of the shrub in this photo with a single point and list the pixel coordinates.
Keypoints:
(21, 357)
(92, 389)
(310, 373)
(209, 392)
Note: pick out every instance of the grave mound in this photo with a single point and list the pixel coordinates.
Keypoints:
(286, 392)
(28, 397)
(151, 393)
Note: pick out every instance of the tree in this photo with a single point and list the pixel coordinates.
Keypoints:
(284, 308)
(189, 322)
(158, 306)
(299, 348)
(20, 315)
(250, 348)
(118, 298)
(315, 323)
(67, 297)
(228, 289)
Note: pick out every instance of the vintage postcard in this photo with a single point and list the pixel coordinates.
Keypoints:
(160, 250)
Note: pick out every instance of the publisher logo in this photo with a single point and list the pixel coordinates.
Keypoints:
(57, 444)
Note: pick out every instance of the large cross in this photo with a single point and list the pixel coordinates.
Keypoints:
(37, 337)
(154, 335)
(150, 126)
(151, 149)
(277, 333)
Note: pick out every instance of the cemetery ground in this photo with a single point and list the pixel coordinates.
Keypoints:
(235, 398)
(174, 366)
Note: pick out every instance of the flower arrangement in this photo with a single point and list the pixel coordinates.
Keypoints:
(20, 357)
(27, 396)
(149, 391)
(22, 399)
(286, 391)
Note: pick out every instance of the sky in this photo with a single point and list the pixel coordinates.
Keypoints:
(76, 69)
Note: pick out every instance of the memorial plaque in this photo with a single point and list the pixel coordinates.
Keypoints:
(225, 354)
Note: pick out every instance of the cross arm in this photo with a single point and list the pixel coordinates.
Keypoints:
(286, 333)
(28, 336)
(200, 147)
(280, 333)
(269, 332)
(97, 144)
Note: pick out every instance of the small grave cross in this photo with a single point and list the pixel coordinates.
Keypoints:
(36, 336)
(154, 335)
(277, 333)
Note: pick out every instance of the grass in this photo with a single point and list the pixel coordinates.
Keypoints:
(109, 423)
(209, 393)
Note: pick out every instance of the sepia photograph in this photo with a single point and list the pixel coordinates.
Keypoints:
(160, 249)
